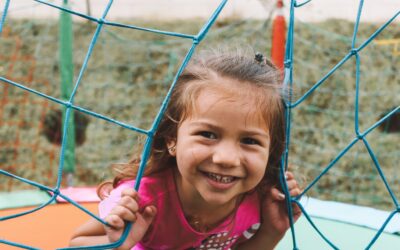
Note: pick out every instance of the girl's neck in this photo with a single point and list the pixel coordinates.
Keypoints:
(197, 209)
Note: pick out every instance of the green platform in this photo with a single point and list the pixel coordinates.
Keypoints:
(23, 198)
(342, 235)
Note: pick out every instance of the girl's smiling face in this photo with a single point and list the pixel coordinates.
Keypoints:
(222, 147)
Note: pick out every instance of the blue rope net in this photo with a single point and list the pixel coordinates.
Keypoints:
(69, 105)
(360, 137)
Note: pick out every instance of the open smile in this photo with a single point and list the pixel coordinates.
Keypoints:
(221, 178)
(225, 179)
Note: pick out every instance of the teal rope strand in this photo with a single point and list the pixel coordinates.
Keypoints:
(29, 211)
(387, 116)
(322, 80)
(288, 84)
(381, 174)
(68, 10)
(63, 147)
(314, 226)
(4, 14)
(378, 31)
(380, 231)
(14, 244)
(357, 24)
(105, 22)
(164, 104)
(160, 32)
(71, 99)
(357, 97)
(297, 5)
(78, 108)
(330, 165)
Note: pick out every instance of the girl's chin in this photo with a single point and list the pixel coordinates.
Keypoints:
(218, 199)
(216, 193)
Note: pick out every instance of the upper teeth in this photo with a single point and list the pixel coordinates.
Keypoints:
(220, 178)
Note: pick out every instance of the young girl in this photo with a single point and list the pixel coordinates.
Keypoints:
(213, 174)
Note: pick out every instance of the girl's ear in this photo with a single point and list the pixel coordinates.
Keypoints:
(171, 146)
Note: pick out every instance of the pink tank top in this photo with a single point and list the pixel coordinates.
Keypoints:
(170, 229)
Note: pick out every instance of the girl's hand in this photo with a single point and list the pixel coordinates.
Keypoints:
(274, 210)
(127, 210)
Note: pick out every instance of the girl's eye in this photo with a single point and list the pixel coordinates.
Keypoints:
(250, 141)
(208, 135)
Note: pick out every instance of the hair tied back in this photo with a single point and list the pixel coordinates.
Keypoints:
(259, 58)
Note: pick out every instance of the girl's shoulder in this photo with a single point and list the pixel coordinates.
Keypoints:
(151, 190)
(161, 178)
(152, 186)
(156, 185)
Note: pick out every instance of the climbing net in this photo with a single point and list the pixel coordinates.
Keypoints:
(70, 106)
(359, 136)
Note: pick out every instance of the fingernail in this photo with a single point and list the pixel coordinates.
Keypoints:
(282, 196)
(286, 176)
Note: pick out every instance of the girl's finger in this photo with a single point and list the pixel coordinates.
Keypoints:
(277, 195)
(289, 175)
(296, 212)
(150, 211)
(130, 192)
(292, 184)
(115, 222)
(129, 203)
(124, 213)
(295, 192)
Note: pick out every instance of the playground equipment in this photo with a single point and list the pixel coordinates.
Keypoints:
(314, 145)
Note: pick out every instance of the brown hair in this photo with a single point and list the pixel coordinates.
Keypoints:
(261, 81)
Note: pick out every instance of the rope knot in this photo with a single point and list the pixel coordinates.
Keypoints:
(68, 104)
(353, 51)
(150, 133)
(287, 63)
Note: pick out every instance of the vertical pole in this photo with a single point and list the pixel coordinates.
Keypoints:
(66, 72)
(278, 37)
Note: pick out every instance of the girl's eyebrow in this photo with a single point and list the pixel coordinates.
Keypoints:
(260, 132)
(205, 124)
(249, 132)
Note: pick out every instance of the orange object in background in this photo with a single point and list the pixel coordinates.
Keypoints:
(278, 37)
(48, 228)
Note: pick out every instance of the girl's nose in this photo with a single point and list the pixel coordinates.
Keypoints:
(227, 155)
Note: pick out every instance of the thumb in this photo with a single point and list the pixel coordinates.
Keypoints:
(139, 227)
(143, 222)
(149, 214)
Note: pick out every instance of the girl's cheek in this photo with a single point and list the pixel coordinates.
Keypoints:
(258, 158)
(199, 153)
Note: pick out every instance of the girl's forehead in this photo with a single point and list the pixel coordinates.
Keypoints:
(224, 89)
(211, 97)
(223, 100)
(258, 100)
